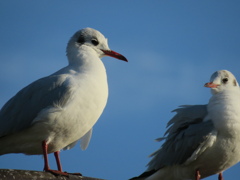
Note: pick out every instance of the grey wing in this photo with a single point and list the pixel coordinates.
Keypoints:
(187, 137)
(186, 114)
(19, 112)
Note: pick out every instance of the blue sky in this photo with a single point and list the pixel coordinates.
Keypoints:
(173, 47)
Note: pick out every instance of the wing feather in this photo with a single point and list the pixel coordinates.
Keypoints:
(19, 112)
(187, 137)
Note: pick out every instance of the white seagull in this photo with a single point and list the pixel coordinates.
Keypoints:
(57, 111)
(202, 140)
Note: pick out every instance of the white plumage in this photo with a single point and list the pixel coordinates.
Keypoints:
(56, 111)
(202, 140)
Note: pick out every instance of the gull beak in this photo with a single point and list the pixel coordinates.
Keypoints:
(211, 85)
(114, 54)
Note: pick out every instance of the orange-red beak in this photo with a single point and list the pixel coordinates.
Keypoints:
(114, 54)
(211, 85)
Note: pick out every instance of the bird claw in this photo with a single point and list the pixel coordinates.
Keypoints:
(75, 174)
(60, 173)
(57, 173)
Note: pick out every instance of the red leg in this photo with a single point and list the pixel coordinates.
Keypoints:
(220, 176)
(57, 157)
(46, 166)
(197, 175)
(45, 155)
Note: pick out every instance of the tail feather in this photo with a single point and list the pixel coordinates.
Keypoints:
(144, 175)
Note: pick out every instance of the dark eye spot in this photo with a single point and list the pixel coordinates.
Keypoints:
(81, 40)
(95, 42)
(225, 80)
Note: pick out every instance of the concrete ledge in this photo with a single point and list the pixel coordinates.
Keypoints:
(13, 174)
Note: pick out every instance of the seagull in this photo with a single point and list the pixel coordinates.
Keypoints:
(201, 140)
(55, 112)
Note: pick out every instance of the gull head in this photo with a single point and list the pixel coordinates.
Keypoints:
(221, 80)
(88, 41)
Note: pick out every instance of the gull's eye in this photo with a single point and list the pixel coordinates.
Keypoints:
(95, 42)
(225, 80)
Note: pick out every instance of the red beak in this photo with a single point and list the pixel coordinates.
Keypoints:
(114, 54)
(211, 85)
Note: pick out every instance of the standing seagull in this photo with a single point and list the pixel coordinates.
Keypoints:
(202, 140)
(56, 111)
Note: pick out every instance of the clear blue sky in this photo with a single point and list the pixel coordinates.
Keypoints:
(173, 47)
